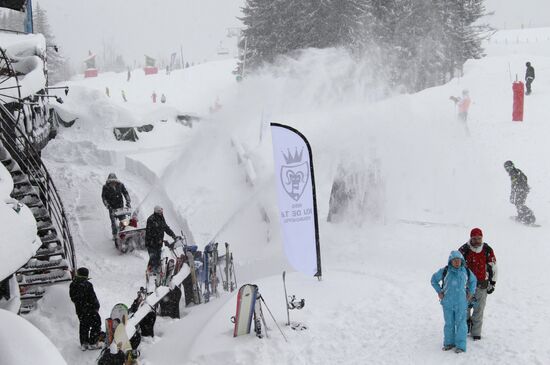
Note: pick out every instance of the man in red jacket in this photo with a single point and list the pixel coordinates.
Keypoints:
(481, 260)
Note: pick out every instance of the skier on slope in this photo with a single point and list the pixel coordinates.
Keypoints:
(518, 193)
(154, 236)
(113, 195)
(481, 260)
(86, 305)
(457, 287)
(463, 104)
(529, 77)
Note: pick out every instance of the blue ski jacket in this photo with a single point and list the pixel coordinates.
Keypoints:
(454, 283)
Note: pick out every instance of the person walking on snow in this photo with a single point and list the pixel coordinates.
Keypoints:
(113, 195)
(463, 104)
(457, 286)
(529, 77)
(481, 260)
(518, 194)
(86, 305)
(154, 97)
(154, 236)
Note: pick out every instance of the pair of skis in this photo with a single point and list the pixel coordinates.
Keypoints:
(210, 264)
(229, 280)
(291, 304)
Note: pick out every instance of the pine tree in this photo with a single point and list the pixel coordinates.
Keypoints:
(57, 65)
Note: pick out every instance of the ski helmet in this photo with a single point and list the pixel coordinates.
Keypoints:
(82, 272)
(528, 64)
(157, 209)
(508, 165)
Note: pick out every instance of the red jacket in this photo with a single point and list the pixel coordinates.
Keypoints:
(481, 261)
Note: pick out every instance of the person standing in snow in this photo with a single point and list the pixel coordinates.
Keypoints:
(518, 193)
(123, 96)
(113, 195)
(529, 77)
(457, 286)
(481, 260)
(154, 236)
(86, 305)
(163, 99)
(463, 104)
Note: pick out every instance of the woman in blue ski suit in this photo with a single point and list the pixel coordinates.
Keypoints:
(458, 284)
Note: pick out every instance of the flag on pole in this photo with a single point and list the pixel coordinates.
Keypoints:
(295, 183)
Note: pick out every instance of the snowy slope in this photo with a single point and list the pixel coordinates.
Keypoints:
(374, 304)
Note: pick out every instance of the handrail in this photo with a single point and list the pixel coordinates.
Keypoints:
(22, 150)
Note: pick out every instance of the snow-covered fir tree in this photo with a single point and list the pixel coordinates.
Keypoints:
(423, 42)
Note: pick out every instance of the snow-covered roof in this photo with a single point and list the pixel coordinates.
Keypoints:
(24, 51)
(21, 343)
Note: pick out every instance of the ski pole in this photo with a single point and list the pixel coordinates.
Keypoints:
(274, 320)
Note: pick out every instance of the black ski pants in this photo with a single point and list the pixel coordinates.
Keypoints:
(154, 259)
(90, 326)
(528, 83)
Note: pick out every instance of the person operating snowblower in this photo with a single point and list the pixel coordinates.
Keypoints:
(113, 195)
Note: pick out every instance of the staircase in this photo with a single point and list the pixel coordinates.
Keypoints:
(54, 261)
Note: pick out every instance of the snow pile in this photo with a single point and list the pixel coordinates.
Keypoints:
(22, 343)
(25, 52)
(18, 229)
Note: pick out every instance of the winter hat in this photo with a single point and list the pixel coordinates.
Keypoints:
(157, 209)
(508, 165)
(112, 177)
(528, 64)
(82, 272)
(476, 232)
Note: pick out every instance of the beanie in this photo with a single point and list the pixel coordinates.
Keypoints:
(82, 272)
(157, 209)
(476, 232)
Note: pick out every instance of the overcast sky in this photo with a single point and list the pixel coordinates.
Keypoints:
(158, 28)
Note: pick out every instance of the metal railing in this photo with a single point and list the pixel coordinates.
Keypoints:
(28, 158)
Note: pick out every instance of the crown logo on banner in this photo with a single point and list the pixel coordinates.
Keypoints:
(292, 159)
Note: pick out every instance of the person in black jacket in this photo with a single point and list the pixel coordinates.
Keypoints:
(154, 236)
(529, 77)
(86, 305)
(518, 194)
(113, 194)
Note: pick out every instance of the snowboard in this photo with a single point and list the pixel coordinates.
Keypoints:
(153, 298)
(246, 300)
(121, 337)
(515, 219)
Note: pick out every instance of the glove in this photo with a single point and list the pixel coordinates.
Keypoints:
(491, 287)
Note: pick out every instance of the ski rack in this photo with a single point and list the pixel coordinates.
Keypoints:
(55, 260)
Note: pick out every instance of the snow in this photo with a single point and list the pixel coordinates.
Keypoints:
(374, 303)
(18, 229)
(21, 343)
(24, 51)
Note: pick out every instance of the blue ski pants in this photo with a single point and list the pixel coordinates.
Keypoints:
(455, 329)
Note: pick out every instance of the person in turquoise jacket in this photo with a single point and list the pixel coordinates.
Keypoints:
(455, 285)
